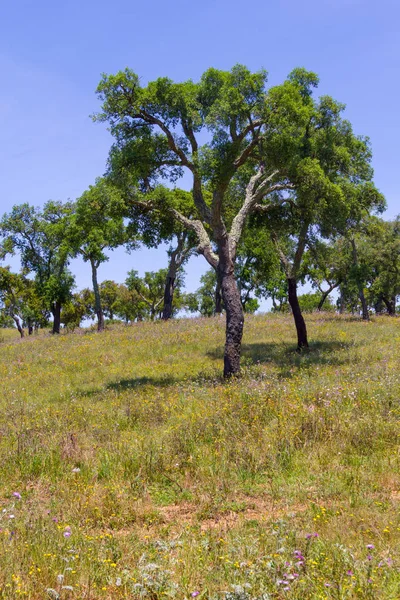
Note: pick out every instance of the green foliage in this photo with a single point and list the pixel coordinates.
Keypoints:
(40, 238)
(310, 303)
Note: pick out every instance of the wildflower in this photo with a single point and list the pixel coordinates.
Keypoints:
(76, 470)
(67, 533)
(60, 578)
(118, 581)
(17, 495)
(370, 546)
(194, 594)
(11, 516)
(349, 573)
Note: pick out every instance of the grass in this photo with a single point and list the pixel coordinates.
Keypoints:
(143, 475)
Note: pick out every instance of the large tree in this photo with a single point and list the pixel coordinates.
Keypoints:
(214, 129)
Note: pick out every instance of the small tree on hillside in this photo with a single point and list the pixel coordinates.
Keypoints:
(40, 237)
(94, 227)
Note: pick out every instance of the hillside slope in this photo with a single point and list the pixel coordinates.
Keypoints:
(129, 469)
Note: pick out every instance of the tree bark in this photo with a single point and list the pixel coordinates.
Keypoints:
(390, 304)
(218, 297)
(56, 310)
(233, 307)
(168, 296)
(97, 297)
(302, 341)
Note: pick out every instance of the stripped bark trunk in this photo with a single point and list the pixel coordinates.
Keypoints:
(302, 341)
(17, 321)
(233, 306)
(218, 297)
(97, 297)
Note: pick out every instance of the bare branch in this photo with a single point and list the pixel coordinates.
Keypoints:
(257, 187)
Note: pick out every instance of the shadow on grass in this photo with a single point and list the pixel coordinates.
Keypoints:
(288, 359)
(135, 382)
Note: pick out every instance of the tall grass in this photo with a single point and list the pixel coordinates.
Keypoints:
(129, 469)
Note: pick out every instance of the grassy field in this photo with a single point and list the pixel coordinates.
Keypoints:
(129, 469)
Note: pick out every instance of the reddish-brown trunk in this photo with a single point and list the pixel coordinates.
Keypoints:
(302, 341)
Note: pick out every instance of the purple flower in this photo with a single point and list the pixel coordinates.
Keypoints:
(369, 557)
(194, 594)
(17, 495)
(67, 533)
(370, 546)
(311, 535)
(349, 573)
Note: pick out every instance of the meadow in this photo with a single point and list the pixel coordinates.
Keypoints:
(130, 469)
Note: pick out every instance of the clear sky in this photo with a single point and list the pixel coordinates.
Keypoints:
(53, 53)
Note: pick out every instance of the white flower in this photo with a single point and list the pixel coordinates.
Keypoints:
(60, 578)
(118, 581)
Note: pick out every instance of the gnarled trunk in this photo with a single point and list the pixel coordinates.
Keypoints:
(302, 341)
(56, 311)
(233, 307)
(97, 297)
(17, 321)
(364, 305)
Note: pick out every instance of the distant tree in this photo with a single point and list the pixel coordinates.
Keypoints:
(109, 296)
(94, 227)
(381, 250)
(12, 297)
(310, 302)
(178, 255)
(150, 290)
(327, 266)
(80, 306)
(40, 238)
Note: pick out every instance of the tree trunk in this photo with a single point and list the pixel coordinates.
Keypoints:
(56, 310)
(379, 306)
(390, 305)
(19, 326)
(168, 297)
(302, 341)
(97, 297)
(326, 294)
(365, 313)
(233, 307)
(218, 297)
(322, 301)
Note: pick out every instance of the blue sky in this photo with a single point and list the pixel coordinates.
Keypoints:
(52, 55)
